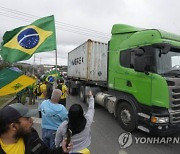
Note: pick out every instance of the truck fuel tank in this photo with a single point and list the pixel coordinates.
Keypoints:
(106, 101)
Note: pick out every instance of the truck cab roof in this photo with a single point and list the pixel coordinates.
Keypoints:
(132, 37)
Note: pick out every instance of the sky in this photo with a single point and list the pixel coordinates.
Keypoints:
(76, 21)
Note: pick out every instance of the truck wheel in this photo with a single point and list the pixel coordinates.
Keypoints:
(72, 91)
(82, 94)
(126, 117)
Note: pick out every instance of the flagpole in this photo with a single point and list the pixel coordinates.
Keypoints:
(55, 83)
(34, 65)
(56, 62)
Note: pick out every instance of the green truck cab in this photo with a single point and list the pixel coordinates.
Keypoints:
(144, 76)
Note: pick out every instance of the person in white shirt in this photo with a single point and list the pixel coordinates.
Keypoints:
(79, 124)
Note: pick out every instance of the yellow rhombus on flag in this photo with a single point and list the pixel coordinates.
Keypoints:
(12, 81)
(21, 43)
(14, 44)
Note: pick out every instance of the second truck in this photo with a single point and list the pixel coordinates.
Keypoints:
(136, 77)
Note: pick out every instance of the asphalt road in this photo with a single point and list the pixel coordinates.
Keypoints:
(105, 133)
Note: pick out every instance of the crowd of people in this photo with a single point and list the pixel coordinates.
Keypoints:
(17, 136)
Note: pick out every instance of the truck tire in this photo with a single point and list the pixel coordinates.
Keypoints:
(82, 93)
(126, 117)
(72, 91)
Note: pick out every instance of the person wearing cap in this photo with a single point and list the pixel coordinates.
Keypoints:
(17, 136)
(53, 114)
(79, 124)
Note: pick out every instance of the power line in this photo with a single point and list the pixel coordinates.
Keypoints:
(80, 32)
(61, 25)
(14, 17)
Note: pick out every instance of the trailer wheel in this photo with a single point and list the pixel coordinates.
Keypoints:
(82, 94)
(126, 117)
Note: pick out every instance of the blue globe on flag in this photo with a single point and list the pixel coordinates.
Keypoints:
(50, 79)
(28, 38)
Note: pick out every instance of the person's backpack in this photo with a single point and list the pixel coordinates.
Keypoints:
(37, 89)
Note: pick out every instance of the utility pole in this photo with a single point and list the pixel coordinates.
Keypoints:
(34, 65)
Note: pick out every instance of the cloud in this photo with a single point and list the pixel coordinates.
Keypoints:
(80, 20)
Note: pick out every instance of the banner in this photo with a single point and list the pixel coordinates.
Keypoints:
(13, 81)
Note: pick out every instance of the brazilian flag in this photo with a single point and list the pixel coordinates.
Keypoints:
(21, 43)
(13, 81)
(52, 75)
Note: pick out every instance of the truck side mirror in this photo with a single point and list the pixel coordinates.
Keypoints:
(142, 63)
(138, 52)
(165, 47)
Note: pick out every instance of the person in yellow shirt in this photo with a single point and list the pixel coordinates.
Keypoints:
(42, 97)
(43, 89)
(17, 136)
(64, 91)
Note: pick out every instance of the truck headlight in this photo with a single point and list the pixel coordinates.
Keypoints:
(159, 120)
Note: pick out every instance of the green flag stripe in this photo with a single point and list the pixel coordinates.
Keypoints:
(7, 75)
(12, 54)
(9, 34)
(47, 44)
(46, 24)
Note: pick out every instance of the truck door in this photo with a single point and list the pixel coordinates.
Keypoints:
(138, 84)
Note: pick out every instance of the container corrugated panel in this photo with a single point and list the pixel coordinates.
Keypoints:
(88, 61)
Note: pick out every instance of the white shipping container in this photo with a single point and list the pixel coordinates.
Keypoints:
(89, 61)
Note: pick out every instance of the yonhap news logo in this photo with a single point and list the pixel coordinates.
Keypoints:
(125, 140)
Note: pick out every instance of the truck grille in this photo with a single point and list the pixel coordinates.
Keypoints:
(174, 91)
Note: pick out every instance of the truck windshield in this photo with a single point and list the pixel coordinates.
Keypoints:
(167, 64)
